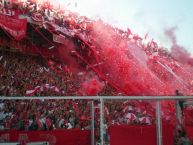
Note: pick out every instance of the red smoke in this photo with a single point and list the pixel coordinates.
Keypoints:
(178, 52)
(128, 66)
(91, 85)
(65, 54)
(125, 65)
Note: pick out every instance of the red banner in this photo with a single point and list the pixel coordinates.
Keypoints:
(56, 137)
(139, 135)
(14, 26)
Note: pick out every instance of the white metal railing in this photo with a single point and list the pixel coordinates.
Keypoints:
(102, 99)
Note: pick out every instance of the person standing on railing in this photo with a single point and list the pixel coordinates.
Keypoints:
(180, 102)
(179, 107)
(181, 137)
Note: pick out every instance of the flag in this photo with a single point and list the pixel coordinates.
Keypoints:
(131, 117)
(30, 92)
(59, 38)
(145, 120)
(129, 31)
(47, 86)
(48, 123)
(37, 87)
(146, 35)
(57, 89)
(106, 111)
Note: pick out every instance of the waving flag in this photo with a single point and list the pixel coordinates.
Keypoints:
(145, 120)
(131, 117)
(59, 39)
(30, 92)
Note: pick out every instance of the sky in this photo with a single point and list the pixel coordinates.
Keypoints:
(144, 16)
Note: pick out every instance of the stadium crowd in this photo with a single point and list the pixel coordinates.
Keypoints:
(35, 115)
(67, 114)
(26, 75)
(22, 75)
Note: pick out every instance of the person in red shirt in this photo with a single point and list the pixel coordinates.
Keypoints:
(48, 123)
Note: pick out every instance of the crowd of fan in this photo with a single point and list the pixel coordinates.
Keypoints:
(44, 115)
(35, 115)
(22, 75)
(67, 114)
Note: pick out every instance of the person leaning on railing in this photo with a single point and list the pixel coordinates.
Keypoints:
(181, 102)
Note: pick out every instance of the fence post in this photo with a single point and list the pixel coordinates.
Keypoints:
(92, 124)
(159, 123)
(102, 121)
(178, 112)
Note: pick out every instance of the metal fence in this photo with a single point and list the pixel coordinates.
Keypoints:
(102, 99)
